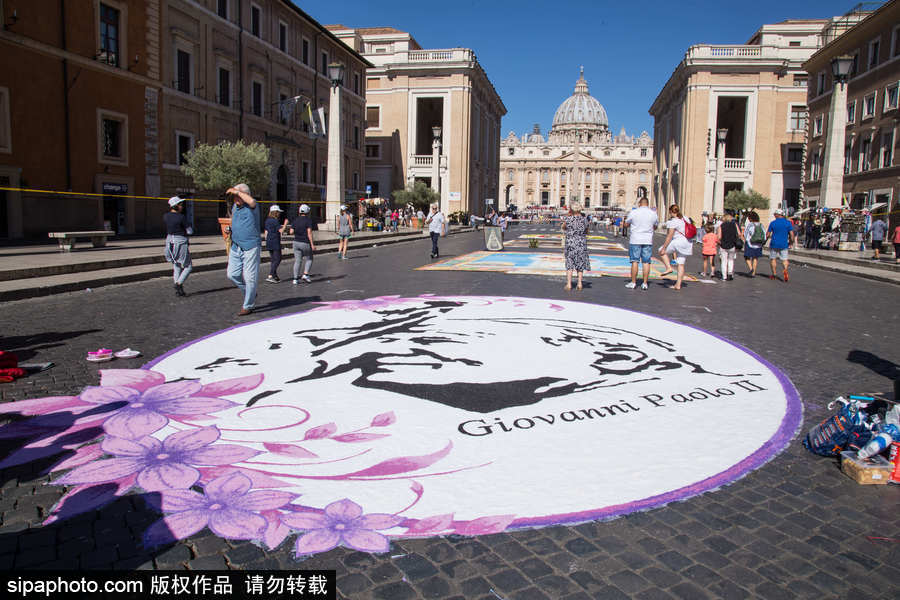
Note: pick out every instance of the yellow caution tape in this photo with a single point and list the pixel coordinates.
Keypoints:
(13, 189)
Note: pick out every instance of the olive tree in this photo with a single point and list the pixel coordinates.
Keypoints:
(225, 164)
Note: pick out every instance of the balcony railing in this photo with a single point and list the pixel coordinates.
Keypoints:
(732, 53)
(443, 55)
(425, 161)
(732, 164)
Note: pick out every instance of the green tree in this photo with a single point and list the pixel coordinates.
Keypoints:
(419, 195)
(739, 200)
(219, 167)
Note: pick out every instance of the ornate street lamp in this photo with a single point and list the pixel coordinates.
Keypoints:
(436, 164)
(336, 73)
(833, 176)
(719, 185)
(334, 185)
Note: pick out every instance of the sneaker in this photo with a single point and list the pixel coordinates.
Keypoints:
(271, 279)
(296, 282)
(306, 279)
(731, 278)
(644, 286)
(245, 311)
(786, 277)
(630, 285)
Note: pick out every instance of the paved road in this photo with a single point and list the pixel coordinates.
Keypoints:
(794, 528)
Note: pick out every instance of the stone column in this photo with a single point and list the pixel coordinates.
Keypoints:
(718, 199)
(833, 176)
(334, 188)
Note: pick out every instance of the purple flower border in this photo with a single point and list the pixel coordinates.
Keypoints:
(790, 425)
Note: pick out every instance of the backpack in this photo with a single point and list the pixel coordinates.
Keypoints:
(758, 237)
(690, 230)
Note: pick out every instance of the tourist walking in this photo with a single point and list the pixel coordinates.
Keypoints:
(780, 236)
(878, 229)
(178, 250)
(677, 244)
(273, 229)
(709, 249)
(436, 228)
(896, 240)
(575, 225)
(754, 237)
(345, 229)
(729, 235)
(243, 258)
(304, 245)
(643, 222)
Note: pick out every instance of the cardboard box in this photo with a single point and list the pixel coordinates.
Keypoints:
(875, 470)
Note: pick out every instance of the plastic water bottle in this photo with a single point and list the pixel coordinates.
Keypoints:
(889, 433)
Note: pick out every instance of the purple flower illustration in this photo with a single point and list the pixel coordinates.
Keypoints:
(148, 399)
(369, 303)
(226, 506)
(342, 523)
(160, 465)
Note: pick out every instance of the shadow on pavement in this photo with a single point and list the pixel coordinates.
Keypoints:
(285, 303)
(879, 365)
(26, 346)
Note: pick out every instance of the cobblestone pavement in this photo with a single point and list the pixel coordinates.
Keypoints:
(795, 528)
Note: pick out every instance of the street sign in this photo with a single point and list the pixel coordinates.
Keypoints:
(368, 189)
(489, 201)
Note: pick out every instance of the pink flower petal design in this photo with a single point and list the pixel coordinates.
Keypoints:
(318, 540)
(134, 423)
(101, 471)
(177, 526)
(236, 524)
(166, 476)
(263, 500)
(365, 540)
(384, 419)
(179, 500)
(232, 386)
(259, 480)
(171, 391)
(404, 464)
(430, 524)
(138, 379)
(378, 521)
(322, 431)
(222, 454)
(305, 520)
(39, 406)
(193, 405)
(105, 395)
(359, 437)
(191, 439)
(229, 485)
(129, 448)
(291, 450)
(276, 531)
(344, 510)
(417, 488)
(486, 525)
(82, 456)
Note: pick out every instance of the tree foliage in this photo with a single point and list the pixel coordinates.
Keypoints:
(419, 195)
(226, 164)
(740, 200)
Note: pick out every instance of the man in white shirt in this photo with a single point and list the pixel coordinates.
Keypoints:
(642, 223)
(435, 222)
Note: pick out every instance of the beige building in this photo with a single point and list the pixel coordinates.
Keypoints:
(755, 91)
(870, 169)
(580, 160)
(409, 91)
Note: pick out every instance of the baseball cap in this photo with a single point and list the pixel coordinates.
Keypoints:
(175, 200)
(275, 208)
(343, 207)
(778, 211)
(304, 208)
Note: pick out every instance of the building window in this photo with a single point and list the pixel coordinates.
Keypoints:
(800, 80)
(5, 132)
(851, 113)
(325, 64)
(112, 134)
(854, 67)
(305, 56)
(184, 143)
(798, 118)
(324, 174)
(511, 151)
(820, 88)
(257, 99)
(282, 36)
(865, 150)
(818, 124)
(643, 153)
(869, 106)
(794, 154)
(355, 180)
(545, 176)
(304, 171)
(874, 48)
(222, 8)
(373, 117)
(356, 137)
(283, 112)
(890, 97)
(814, 166)
(794, 44)
(895, 41)
(373, 151)
(109, 35)
(356, 83)
(224, 87)
(848, 159)
(887, 150)
(256, 20)
(183, 71)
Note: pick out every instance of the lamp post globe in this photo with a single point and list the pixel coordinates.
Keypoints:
(336, 73)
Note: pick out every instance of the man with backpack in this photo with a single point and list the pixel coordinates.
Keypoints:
(755, 236)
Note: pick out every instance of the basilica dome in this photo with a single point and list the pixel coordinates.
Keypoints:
(581, 109)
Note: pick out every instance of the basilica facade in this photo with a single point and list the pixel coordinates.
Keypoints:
(579, 160)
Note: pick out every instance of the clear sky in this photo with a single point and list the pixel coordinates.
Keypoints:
(531, 50)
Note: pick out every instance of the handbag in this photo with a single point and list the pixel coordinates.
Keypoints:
(738, 245)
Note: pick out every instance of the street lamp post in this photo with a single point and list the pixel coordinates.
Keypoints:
(719, 187)
(436, 166)
(334, 187)
(833, 179)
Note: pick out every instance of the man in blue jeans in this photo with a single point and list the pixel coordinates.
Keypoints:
(243, 258)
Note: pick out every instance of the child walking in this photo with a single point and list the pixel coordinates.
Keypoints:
(710, 248)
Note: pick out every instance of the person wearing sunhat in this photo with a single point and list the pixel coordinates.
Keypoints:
(177, 247)
(273, 231)
(345, 229)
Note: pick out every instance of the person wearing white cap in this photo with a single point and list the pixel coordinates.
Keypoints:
(272, 233)
(345, 229)
(177, 248)
(780, 237)
(243, 257)
(302, 228)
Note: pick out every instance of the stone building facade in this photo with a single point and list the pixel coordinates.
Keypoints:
(755, 91)
(409, 91)
(580, 159)
(871, 169)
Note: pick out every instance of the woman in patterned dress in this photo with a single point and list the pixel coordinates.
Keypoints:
(576, 225)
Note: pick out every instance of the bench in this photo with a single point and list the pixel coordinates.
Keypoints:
(67, 238)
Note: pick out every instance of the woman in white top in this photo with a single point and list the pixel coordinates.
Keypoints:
(676, 243)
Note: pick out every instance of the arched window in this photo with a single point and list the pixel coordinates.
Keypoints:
(587, 176)
(562, 177)
(281, 185)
